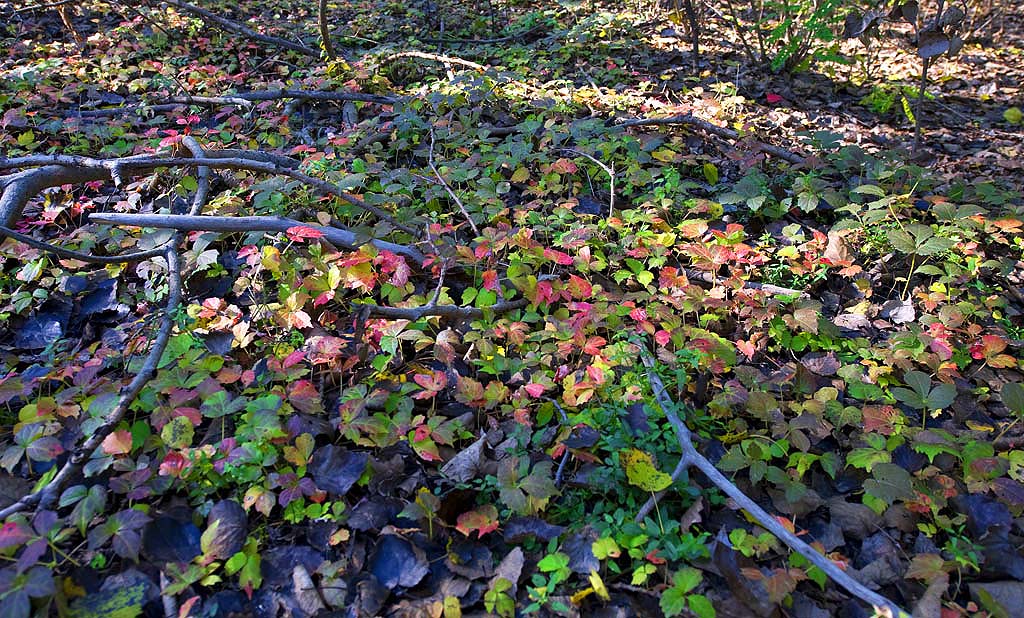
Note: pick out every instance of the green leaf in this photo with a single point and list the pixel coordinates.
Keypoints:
(673, 602)
(711, 173)
(605, 547)
(919, 381)
(1013, 397)
(901, 241)
(870, 190)
(941, 397)
(889, 483)
(553, 562)
(178, 433)
(700, 605)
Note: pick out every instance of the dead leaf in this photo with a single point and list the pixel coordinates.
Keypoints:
(463, 467)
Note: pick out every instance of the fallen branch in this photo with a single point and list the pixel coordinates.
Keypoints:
(339, 237)
(452, 312)
(61, 169)
(692, 457)
(436, 58)
(713, 129)
(775, 290)
(89, 258)
(245, 31)
(47, 496)
(243, 99)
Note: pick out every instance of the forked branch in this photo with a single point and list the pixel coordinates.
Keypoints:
(692, 457)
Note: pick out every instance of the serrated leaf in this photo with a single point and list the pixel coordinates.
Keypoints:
(919, 381)
(1013, 397)
(642, 472)
(889, 482)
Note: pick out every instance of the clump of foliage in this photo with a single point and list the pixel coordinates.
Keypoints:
(455, 417)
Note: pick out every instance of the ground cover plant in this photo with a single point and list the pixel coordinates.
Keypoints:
(513, 309)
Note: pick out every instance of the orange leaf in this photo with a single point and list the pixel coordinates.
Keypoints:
(118, 443)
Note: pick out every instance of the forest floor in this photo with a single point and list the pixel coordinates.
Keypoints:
(512, 308)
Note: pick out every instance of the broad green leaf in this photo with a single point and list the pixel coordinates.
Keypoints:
(889, 482)
(1013, 397)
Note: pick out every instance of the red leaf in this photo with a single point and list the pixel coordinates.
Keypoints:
(558, 257)
(535, 390)
(491, 280)
(579, 288)
(482, 519)
(300, 233)
(563, 166)
(773, 98)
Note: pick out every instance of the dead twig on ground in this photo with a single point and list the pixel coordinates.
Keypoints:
(692, 457)
(713, 129)
(339, 237)
(242, 99)
(451, 193)
(60, 169)
(245, 31)
(436, 58)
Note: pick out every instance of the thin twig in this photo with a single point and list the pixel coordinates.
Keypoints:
(436, 58)
(713, 129)
(43, 7)
(774, 290)
(452, 312)
(440, 178)
(565, 456)
(691, 457)
(607, 170)
(244, 99)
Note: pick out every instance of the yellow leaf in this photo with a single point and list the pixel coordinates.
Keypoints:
(641, 471)
(520, 175)
(664, 155)
(452, 609)
(578, 597)
(598, 584)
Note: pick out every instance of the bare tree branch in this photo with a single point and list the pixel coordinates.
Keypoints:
(47, 496)
(245, 31)
(691, 457)
(436, 58)
(713, 129)
(86, 169)
(337, 236)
